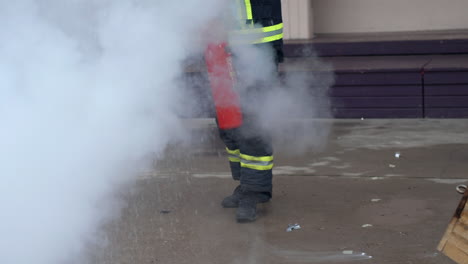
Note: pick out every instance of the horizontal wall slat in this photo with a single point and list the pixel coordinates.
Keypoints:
(381, 78)
(403, 90)
(446, 89)
(372, 48)
(446, 101)
(446, 112)
(376, 102)
(452, 77)
(377, 113)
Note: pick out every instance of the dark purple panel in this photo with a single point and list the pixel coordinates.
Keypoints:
(376, 102)
(404, 90)
(447, 63)
(394, 78)
(447, 112)
(377, 48)
(446, 101)
(377, 113)
(446, 89)
(308, 78)
(460, 77)
(365, 64)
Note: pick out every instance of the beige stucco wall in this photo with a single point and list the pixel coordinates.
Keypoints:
(298, 19)
(350, 16)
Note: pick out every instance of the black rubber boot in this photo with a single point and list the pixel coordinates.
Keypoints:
(232, 201)
(247, 211)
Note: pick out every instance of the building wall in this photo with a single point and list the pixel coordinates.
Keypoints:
(298, 19)
(353, 16)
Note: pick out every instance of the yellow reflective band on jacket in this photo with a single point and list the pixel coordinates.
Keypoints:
(244, 13)
(248, 9)
(234, 155)
(270, 39)
(256, 35)
(256, 163)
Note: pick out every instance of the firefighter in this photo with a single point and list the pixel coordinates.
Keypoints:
(249, 147)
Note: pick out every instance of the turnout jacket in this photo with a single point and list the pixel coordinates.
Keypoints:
(259, 22)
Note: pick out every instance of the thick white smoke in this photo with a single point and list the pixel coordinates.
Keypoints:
(289, 103)
(86, 90)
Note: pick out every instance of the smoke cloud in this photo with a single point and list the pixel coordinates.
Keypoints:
(86, 91)
(288, 100)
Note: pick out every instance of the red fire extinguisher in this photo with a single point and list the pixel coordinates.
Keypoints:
(223, 80)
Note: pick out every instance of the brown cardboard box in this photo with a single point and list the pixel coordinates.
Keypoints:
(454, 243)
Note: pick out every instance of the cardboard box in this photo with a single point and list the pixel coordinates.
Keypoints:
(454, 243)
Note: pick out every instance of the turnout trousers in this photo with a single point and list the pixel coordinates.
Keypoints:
(249, 147)
(250, 155)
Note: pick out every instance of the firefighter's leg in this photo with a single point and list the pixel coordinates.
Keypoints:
(256, 158)
(230, 139)
(256, 161)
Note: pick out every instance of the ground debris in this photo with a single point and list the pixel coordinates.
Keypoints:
(292, 227)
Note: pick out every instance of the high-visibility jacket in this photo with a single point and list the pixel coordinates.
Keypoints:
(259, 22)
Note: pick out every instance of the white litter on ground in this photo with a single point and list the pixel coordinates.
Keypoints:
(292, 227)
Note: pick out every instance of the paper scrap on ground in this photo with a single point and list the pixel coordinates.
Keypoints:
(292, 227)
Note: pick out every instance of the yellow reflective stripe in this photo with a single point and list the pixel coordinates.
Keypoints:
(257, 163)
(248, 9)
(273, 28)
(233, 152)
(233, 155)
(269, 39)
(254, 158)
(256, 35)
(257, 167)
(260, 163)
(232, 159)
(259, 30)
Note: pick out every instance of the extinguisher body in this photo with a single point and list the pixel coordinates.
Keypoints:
(222, 79)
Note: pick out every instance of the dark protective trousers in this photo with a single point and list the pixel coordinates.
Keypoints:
(250, 156)
(249, 147)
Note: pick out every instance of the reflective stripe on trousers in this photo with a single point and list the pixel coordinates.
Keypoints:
(234, 155)
(252, 162)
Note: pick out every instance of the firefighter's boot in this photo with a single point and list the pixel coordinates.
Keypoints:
(232, 201)
(247, 210)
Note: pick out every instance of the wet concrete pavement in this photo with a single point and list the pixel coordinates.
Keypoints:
(340, 180)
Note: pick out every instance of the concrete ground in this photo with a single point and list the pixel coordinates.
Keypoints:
(342, 181)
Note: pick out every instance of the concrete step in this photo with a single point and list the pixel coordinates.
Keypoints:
(378, 44)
